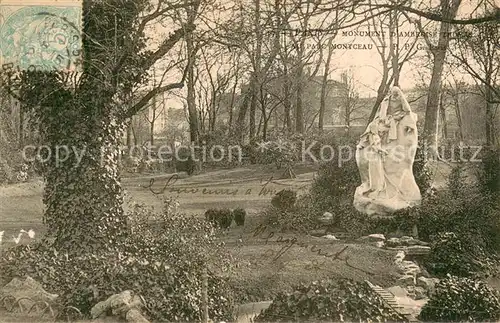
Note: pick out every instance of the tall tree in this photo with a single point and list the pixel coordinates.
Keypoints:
(448, 9)
(477, 53)
(81, 111)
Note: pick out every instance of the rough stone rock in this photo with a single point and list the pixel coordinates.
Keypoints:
(424, 273)
(377, 237)
(420, 293)
(135, 316)
(393, 242)
(400, 256)
(330, 237)
(429, 284)
(417, 293)
(372, 238)
(318, 232)
(406, 280)
(379, 244)
(417, 250)
(406, 239)
(326, 218)
(29, 290)
(118, 305)
(409, 268)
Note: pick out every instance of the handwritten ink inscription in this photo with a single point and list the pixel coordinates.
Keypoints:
(287, 243)
(265, 189)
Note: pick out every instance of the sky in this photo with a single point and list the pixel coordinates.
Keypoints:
(365, 64)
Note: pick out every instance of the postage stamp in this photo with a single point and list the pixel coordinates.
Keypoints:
(41, 34)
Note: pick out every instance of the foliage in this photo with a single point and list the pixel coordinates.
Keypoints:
(221, 218)
(185, 162)
(301, 217)
(335, 183)
(422, 170)
(6, 171)
(462, 300)
(281, 152)
(87, 112)
(454, 255)
(330, 300)
(471, 216)
(163, 261)
(489, 174)
(456, 181)
(239, 216)
(284, 199)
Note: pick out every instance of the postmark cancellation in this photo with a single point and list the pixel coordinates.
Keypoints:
(41, 34)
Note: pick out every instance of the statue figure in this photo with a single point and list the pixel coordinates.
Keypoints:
(385, 156)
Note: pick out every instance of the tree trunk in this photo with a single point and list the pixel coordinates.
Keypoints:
(432, 108)
(82, 194)
(231, 105)
(458, 113)
(299, 113)
(240, 121)
(287, 103)
(490, 116)
(152, 124)
(193, 117)
(253, 111)
(324, 87)
(381, 93)
(21, 127)
(191, 96)
(439, 54)
(442, 114)
(257, 67)
(394, 47)
(129, 133)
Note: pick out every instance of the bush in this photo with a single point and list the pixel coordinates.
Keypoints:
(334, 301)
(171, 285)
(489, 173)
(239, 216)
(6, 172)
(221, 218)
(185, 163)
(472, 216)
(462, 300)
(284, 199)
(452, 255)
(335, 184)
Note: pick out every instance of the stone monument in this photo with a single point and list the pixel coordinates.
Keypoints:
(385, 156)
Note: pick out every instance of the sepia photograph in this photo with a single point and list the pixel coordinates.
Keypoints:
(249, 161)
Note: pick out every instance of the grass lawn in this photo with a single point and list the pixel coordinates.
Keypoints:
(255, 270)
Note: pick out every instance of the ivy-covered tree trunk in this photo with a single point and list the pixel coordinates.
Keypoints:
(81, 117)
(83, 195)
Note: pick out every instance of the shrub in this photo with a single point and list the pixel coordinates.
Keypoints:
(471, 216)
(329, 300)
(455, 256)
(335, 184)
(456, 181)
(221, 218)
(281, 152)
(239, 216)
(163, 261)
(489, 173)
(462, 300)
(284, 199)
(6, 172)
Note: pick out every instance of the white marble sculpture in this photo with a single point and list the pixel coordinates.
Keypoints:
(385, 156)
